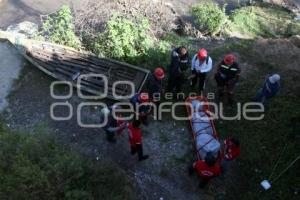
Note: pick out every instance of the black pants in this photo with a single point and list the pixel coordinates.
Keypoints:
(175, 83)
(200, 77)
(137, 149)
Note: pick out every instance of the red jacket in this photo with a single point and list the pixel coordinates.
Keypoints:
(205, 171)
(231, 151)
(135, 135)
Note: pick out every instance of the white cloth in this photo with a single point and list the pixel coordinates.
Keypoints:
(274, 78)
(201, 67)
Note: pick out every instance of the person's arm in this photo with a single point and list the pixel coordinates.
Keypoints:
(193, 63)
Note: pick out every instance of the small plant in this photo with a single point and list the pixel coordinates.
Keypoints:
(125, 39)
(59, 28)
(210, 17)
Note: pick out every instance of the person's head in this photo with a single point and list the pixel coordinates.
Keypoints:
(274, 78)
(210, 159)
(115, 109)
(202, 54)
(105, 111)
(182, 51)
(159, 73)
(235, 142)
(229, 59)
(136, 123)
(144, 97)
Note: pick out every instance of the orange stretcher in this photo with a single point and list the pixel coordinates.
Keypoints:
(207, 124)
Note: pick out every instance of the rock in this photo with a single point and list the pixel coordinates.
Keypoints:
(24, 29)
(295, 40)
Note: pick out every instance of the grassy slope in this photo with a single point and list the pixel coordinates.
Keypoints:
(264, 20)
(34, 166)
(263, 141)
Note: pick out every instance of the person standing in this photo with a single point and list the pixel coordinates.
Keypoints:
(201, 65)
(135, 140)
(227, 75)
(155, 84)
(179, 64)
(270, 88)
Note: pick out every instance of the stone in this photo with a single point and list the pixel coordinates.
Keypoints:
(24, 29)
(295, 40)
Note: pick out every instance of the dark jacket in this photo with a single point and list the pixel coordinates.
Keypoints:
(154, 86)
(178, 63)
(228, 72)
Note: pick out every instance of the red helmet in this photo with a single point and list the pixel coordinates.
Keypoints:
(159, 73)
(202, 54)
(144, 97)
(229, 59)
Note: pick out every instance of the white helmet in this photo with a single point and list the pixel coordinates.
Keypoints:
(274, 78)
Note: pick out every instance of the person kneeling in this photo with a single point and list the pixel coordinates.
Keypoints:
(206, 169)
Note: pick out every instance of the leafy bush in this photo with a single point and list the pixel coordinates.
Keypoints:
(210, 17)
(36, 167)
(124, 39)
(59, 28)
(265, 21)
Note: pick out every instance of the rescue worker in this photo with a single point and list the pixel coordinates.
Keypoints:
(155, 84)
(227, 75)
(206, 169)
(231, 152)
(179, 64)
(270, 88)
(143, 110)
(114, 125)
(135, 140)
(201, 65)
(231, 149)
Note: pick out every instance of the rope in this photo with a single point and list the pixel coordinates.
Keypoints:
(290, 165)
(277, 162)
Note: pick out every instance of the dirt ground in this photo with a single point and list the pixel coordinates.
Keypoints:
(167, 142)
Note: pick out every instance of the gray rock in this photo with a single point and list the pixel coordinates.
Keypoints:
(24, 29)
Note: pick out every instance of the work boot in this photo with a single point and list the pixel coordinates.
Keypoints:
(144, 157)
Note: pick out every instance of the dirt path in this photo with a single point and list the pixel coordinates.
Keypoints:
(168, 143)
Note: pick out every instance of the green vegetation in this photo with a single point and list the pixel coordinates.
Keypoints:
(34, 166)
(210, 17)
(264, 20)
(261, 19)
(59, 29)
(263, 141)
(124, 39)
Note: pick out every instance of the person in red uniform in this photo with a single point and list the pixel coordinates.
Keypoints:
(207, 169)
(135, 139)
(231, 149)
(227, 76)
(231, 152)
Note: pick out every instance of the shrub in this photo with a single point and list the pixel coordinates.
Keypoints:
(124, 39)
(265, 21)
(59, 28)
(34, 166)
(210, 17)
